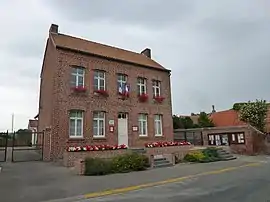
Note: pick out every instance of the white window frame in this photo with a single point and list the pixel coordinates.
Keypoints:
(101, 76)
(158, 123)
(156, 88)
(75, 73)
(76, 118)
(141, 82)
(143, 118)
(121, 80)
(99, 119)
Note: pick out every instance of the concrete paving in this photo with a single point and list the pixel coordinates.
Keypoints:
(40, 181)
(246, 184)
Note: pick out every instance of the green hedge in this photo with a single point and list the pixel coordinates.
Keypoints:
(204, 156)
(120, 164)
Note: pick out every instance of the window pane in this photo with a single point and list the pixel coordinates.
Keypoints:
(144, 127)
(80, 80)
(72, 127)
(101, 83)
(73, 80)
(96, 84)
(80, 71)
(79, 114)
(95, 131)
(79, 127)
(95, 74)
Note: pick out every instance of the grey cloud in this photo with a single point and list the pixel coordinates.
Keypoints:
(150, 13)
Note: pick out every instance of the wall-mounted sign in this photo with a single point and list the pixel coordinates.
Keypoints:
(134, 128)
(111, 122)
(111, 129)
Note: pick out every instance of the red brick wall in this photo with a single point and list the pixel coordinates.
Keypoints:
(64, 100)
(71, 157)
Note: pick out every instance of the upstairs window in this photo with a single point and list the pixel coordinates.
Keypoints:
(141, 84)
(99, 80)
(121, 82)
(77, 76)
(156, 88)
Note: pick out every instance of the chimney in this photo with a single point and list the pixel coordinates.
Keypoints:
(54, 29)
(147, 52)
(213, 109)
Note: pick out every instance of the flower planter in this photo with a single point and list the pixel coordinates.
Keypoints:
(102, 92)
(79, 89)
(95, 148)
(158, 99)
(143, 97)
(166, 144)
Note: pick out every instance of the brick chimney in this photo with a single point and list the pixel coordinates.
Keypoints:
(54, 29)
(147, 52)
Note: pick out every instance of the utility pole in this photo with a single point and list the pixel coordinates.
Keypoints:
(12, 123)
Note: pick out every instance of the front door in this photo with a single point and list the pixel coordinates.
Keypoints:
(122, 129)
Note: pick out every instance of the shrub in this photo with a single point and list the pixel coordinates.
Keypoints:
(97, 166)
(119, 164)
(129, 162)
(196, 156)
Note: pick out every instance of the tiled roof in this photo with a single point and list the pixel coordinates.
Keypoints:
(226, 118)
(78, 44)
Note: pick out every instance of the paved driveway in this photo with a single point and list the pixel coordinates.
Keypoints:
(40, 181)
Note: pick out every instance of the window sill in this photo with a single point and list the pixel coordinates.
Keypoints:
(159, 136)
(143, 136)
(99, 138)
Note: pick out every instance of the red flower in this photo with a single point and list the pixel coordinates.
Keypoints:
(159, 99)
(165, 144)
(79, 89)
(143, 97)
(102, 92)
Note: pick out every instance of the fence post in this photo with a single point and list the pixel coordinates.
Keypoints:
(6, 146)
(12, 148)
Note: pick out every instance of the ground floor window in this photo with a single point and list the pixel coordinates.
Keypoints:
(142, 121)
(226, 139)
(75, 124)
(99, 124)
(158, 124)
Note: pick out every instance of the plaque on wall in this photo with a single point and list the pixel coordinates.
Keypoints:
(134, 128)
(111, 122)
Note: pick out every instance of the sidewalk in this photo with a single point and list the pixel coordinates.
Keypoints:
(56, 183)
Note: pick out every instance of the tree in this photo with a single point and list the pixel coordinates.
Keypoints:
(204, 121)
(177, 123)
(254, 113)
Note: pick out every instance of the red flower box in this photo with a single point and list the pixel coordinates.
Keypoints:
(102, 92)
(143, 97)
(79, 89)
(96, 148)
(124, 95)
(159, 99)
(166, 144)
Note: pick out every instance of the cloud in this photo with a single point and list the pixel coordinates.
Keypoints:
(218, 50)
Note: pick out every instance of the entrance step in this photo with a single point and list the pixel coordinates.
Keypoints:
(161, 162)
(225, 155)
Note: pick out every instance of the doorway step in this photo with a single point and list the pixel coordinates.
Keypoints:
(225, 155)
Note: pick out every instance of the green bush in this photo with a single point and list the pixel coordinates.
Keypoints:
(207, 155)
(97, 166)
(129, 162)
(119, 164)
(196, 156)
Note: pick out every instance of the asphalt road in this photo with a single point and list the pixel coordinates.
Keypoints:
(247, 184)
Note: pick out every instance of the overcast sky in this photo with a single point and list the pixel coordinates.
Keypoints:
(218, 50)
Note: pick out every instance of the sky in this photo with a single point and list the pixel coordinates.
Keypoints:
(218, 51)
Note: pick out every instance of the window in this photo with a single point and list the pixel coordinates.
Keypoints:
(156, 88)
(158, 125)
(99, 124)
(237, 138)
(143, 124)
(77, 76)
(76, 124)
(141, 83)
(99, 80)
(121, 82)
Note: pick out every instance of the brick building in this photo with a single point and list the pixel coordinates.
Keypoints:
(92, 93)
